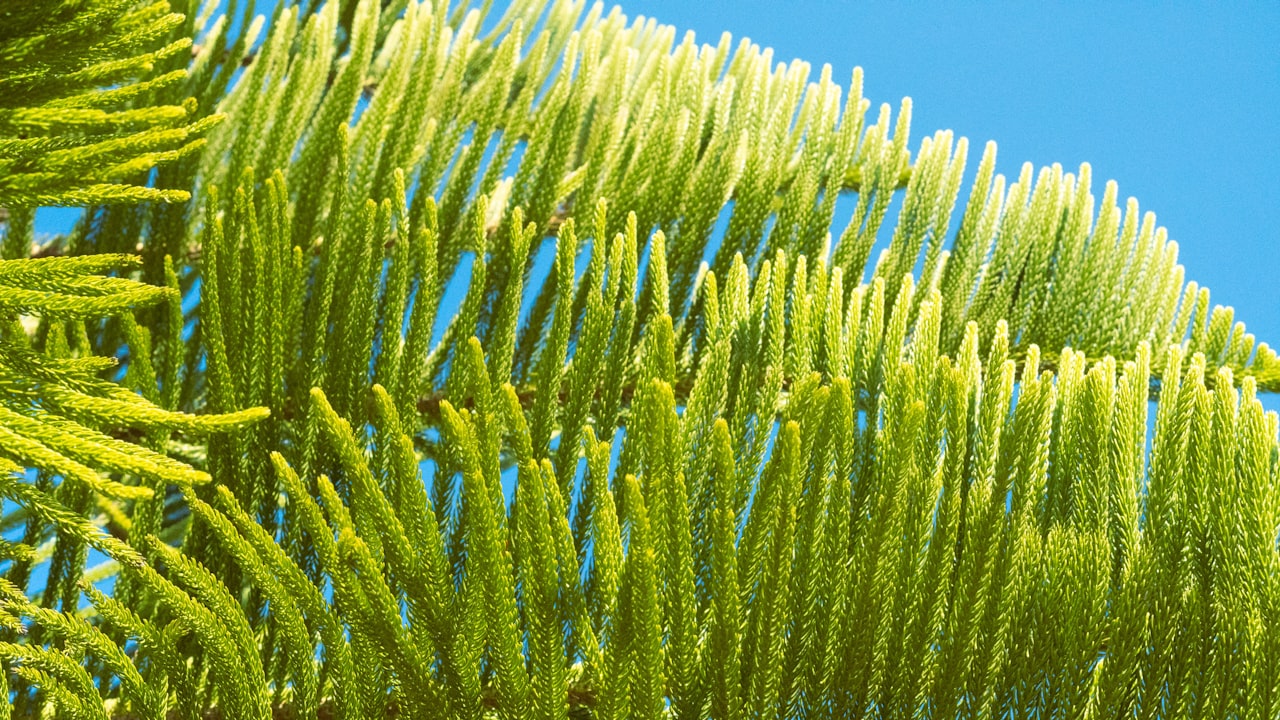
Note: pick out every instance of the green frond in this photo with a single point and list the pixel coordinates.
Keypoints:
(678, 447)
(67, 140)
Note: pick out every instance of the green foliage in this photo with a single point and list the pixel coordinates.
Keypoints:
(647, 469)
(64, 140)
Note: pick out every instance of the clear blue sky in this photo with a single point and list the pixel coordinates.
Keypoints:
(1178, 102)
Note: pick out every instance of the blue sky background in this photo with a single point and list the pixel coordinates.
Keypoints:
(1177, 102)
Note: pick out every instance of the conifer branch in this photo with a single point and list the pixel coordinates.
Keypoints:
(512, 367)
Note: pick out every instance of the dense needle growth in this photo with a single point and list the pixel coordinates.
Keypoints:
(444, 362)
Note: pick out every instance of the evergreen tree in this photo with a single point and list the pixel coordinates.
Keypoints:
(398, 366)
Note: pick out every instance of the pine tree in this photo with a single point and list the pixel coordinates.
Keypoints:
(399, 365)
